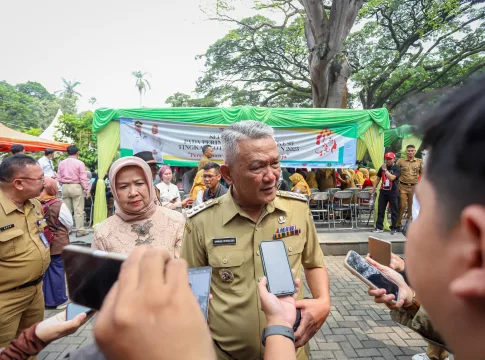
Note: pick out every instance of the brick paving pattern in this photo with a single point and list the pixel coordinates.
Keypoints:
(357, 328)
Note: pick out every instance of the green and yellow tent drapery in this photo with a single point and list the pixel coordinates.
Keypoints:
(406, 133)
(371, 127)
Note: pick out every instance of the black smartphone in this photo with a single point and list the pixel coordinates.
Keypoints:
(369, 274)
(90, 274)
(74, 310)
(276, 267)
(200, 283)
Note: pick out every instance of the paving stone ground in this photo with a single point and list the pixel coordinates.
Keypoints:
(357, 328)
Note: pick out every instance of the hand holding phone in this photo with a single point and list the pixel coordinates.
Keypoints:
(276, 267)
(200, 283)
(370, 275)
(382, 297)
(73, 310)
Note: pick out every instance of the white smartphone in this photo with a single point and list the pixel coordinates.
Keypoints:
(380, 250)
(372, 277)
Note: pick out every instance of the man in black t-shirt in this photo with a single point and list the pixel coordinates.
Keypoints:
(389, 173)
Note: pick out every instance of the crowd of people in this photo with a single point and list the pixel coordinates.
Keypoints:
(150, 313)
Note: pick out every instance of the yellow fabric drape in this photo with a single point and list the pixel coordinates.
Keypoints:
(108, 144)
(374, 141)
(361, 149)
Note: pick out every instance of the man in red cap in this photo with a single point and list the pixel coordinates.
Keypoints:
(389, 173)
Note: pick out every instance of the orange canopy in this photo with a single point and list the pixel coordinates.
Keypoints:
(8, 137)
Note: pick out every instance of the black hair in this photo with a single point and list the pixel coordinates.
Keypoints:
(72, 150)
(204, 148)
(212, 165)
(454, 131)
(48, 152)
(16, 148)
(410, 146)
(13, 164)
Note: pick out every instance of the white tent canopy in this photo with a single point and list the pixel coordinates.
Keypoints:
(52, 131)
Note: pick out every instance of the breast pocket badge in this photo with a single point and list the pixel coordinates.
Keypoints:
(226, 275)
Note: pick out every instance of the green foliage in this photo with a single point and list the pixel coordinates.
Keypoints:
(405, 48)
(34, 131)
(78, 128)
(26, 106)
(183, 100)
(265, 67)
(68, 104)
(141, 83)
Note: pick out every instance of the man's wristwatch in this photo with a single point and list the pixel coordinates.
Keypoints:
(278, 330)
(414, 306)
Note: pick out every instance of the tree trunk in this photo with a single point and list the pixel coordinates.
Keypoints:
(326, 34)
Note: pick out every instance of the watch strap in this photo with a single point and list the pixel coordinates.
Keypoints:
(278, 330)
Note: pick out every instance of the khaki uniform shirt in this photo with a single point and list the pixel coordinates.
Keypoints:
(203, 162)
(23, 256)
(235, 317)
(410, 170)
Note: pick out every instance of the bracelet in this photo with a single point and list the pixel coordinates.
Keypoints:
(277, 330)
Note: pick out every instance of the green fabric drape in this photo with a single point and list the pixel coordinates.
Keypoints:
(275, 117)
(361, 149)
(108, 143)
(402, 132)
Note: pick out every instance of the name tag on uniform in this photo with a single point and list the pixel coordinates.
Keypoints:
(44, 240)
(6, 227)
(224, 241)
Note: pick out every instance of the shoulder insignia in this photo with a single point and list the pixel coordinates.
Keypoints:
(291, 195)
(201, 207)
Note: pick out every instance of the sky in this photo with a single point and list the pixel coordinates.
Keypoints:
(100, 43)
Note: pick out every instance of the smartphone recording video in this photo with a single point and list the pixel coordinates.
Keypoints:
(90, 274)
(200, 282)
(369, 274)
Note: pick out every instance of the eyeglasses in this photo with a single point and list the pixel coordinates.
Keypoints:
(28, 178)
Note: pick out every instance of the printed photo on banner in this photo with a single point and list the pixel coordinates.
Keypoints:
(180, 143)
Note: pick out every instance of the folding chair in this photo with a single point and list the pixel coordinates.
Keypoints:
(363, 204)
(321, 209)
(343, 208)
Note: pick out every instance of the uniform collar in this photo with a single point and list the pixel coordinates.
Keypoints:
(231, 208)
(9, 206)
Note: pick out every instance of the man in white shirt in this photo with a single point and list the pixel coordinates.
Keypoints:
(140, 140)
(46, 164)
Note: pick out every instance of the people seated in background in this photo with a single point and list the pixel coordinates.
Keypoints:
(59, 223)
(311, 180)
(373, 176)
(282, 183)
(367, 181)
(138, 219)
(34, 339)
(169, 193)
(326, 179)
(212, 178)
(17, 149)
(345, 179)
(445, 245)
(198, 188)
(299, 184)
(359, 178)
(188, 180)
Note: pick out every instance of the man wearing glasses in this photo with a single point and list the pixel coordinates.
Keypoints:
(24, 251)
(212, 178)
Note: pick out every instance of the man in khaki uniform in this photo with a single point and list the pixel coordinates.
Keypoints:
(207, 154)
(225, 234)
(24, 251)
(410, 171)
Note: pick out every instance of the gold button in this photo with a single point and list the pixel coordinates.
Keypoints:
(224, 261)
(257, 252)
(290, 249)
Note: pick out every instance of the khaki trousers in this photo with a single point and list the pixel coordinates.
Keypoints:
(19, 310)
(73, 197)
(406, 193)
